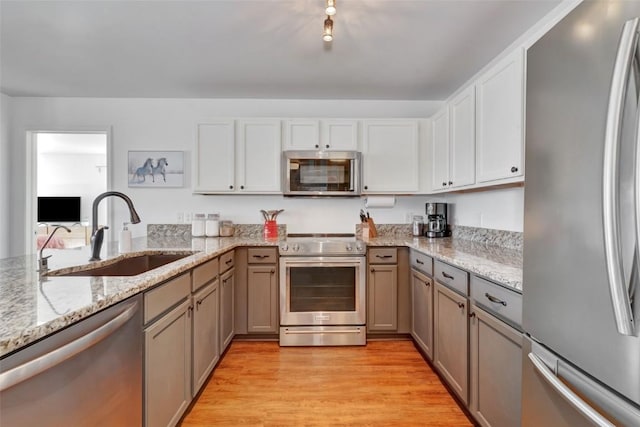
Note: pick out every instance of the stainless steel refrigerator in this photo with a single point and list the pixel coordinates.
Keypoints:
(581, 361)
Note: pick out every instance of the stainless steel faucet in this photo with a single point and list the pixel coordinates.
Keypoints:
(43, 264)
(97, 233)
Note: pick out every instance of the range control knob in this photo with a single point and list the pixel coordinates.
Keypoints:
(295, 247)
(349, 248)
(359, 247)
(284, 247)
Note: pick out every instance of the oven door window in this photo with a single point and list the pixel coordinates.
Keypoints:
(322, 289)
(321, 175)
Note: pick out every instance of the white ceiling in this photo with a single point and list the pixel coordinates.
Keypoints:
(383, 49)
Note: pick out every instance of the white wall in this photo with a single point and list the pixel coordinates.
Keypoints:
(5, 154)
(170, 124)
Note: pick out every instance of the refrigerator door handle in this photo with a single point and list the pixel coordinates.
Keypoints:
(564, 391)
(625, 56)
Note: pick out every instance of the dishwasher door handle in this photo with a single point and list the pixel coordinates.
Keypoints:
(47, 361)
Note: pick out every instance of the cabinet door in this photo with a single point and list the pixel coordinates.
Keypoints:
(496, 370)
(262, 294)
(390, 156)
(422, 311)
(451, 343)
(440, 150)
(227, 285)
(302, 134)
(462, 144)
(206, 344)
(167, 380)
(259, 154)
(500, 116)
(339, 135)
(215, 157)
(382, 288)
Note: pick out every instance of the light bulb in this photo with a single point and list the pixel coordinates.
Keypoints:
(331, 7)
(327, 35)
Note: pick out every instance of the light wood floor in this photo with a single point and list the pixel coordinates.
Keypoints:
(386, 383)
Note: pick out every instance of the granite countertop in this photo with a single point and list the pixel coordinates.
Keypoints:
(32, 307)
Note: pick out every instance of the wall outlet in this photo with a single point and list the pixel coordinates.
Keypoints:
(187, 217)
(180, 218)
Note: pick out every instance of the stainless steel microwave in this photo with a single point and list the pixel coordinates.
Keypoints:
(321, 173)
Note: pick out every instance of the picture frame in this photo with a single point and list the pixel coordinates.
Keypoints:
(155, 169)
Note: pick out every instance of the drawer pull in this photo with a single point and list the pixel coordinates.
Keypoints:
(494, 299)
(460, 305)
(229, 261)
(273, 271)
(420, 262)
(384, 256)
(472, 315)
(261, 256)
(448, 276)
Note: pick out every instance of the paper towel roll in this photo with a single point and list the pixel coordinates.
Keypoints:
(380, 202)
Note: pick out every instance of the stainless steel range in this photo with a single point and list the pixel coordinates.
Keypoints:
(322, 290)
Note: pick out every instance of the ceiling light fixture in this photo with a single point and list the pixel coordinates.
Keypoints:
(327, 35)
(331, 7)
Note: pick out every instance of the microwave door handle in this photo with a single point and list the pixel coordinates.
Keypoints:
(352, 176)
(610, 192)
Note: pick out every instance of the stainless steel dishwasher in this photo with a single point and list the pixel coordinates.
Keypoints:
(87, 374)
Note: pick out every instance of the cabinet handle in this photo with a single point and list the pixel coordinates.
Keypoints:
(327, 146)
(317, 146)
(448, 276)
(444, 184)
(189, 311)
(366, 187)
(420, 262)
(450, 182)
(260, 256)
(231, 187)
(460, 305)
(373, 270)
(427, 284)
(273, 271)
(472, 315)
(198, 303)
(229, 261)
(384, 256)
(494, 299)
(242, 187)
(514, 169)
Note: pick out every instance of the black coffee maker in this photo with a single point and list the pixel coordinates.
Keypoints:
(436, 225)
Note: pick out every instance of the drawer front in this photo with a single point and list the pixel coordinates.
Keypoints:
(262, 255)
(497, 300)
(162, 298)
(453, 277)
(205, 273)
(227, 260)
(383, 256)
(422, 262)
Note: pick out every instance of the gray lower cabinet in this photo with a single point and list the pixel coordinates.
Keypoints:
(227, 285)
(206, 340)
(422, 311)
(382, 290)
(167, 382)
(262, 298)
(451, 344)
(496, 370)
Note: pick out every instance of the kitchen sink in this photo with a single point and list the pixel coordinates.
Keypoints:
(131, 266)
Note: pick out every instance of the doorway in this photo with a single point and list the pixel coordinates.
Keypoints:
(69, 169)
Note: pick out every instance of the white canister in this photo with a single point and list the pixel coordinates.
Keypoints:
(197, 225)
(212, 225)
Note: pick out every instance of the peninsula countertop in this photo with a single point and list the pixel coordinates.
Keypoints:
(33, 307)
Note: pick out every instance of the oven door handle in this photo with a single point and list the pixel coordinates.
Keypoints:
(342, 331)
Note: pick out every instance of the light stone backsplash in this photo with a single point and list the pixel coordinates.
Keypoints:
(183, 231)
(501, 238)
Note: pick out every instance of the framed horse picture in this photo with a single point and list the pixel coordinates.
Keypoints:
(159, 169)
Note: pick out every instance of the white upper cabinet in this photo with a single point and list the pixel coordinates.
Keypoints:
(390, 156)
(321, 134)
(259, 154)
(462, 141)
(499, 123)
(440, 150)
(453, 143)
(242, 160)
(301, 134)
(339, 135)
(215, 157)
